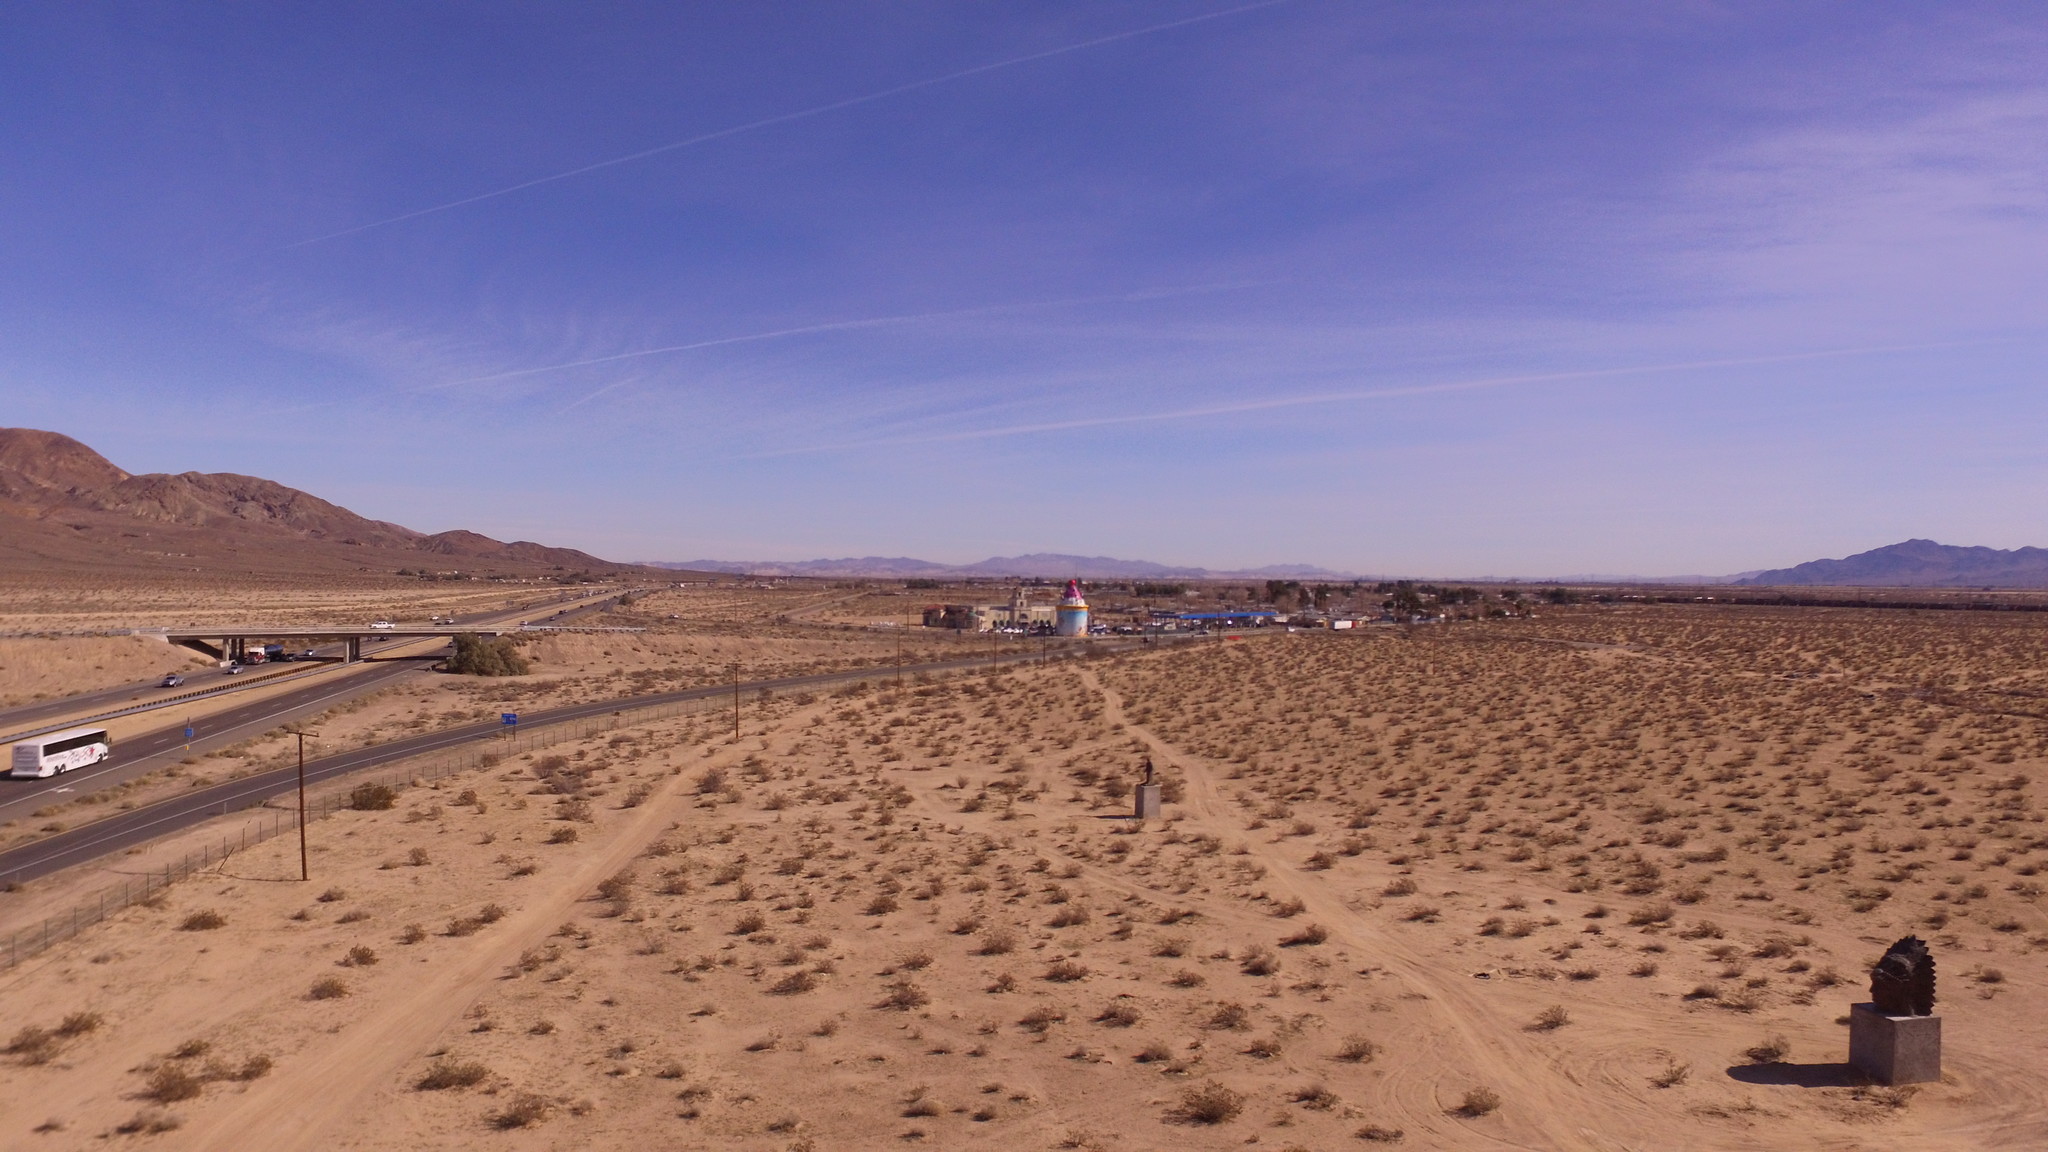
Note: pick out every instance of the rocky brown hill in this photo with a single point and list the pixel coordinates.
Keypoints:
(64, 506)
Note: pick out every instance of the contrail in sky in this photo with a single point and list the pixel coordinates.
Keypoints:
(787, 117)
(831, 326)
(1270, 403)
(846, 325)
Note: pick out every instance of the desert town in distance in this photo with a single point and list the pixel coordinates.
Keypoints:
(1151, 576)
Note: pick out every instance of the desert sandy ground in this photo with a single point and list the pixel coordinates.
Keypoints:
(1607, 880)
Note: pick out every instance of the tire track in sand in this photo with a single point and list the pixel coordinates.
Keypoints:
(1539, 1096)
(297, 1109)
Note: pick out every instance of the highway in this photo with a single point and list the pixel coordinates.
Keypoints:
(27, 716)
(124, 830)
(139, 755)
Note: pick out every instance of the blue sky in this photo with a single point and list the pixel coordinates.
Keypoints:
(1453, 289)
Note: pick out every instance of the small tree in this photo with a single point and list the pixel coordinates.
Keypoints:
(476, 656)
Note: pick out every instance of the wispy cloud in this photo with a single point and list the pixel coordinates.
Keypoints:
(1270, 403)
(853, 325)
(1931, 221)
(787, 118)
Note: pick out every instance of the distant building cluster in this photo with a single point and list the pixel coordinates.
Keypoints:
(1021, 616)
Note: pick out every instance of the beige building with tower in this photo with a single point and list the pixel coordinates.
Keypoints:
(1020, 613)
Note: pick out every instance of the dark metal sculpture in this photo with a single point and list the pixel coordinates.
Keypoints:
(1148, 771)
(1902, 984)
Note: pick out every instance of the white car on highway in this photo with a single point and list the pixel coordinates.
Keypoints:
(381, 624)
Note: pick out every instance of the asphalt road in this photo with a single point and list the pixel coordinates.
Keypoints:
(26, 716)
(138, 755)
(123, 830)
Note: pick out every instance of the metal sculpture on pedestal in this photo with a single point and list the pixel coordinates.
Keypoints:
(1148, 798)
(1896, 1038)
(1902, 984)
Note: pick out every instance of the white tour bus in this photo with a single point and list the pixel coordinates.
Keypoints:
(60, 752)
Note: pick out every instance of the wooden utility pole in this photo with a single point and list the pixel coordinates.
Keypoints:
(735, 702)
(305, 871)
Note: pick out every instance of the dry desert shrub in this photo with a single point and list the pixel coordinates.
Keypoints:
(525, 1111)
(1673, 1074)
(373, 797)
(1038, 1020)
(1477, 1102)
(327, 988)
(1259, 961)
(204, 920)
(170, 1083)
(1208, 1103)
(150, 1122)
(1311, 934)
(1357, 1050)
(448, 1073)
(1231, 1017)
(33, 1045)
(1315, 1097)
(1886, 1096)
(1550, 1019)
(1770, 1051)
(78, 1024)
(904, 995)
(1119, 1014)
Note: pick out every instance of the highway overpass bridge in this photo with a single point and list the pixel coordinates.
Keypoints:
(232, 641)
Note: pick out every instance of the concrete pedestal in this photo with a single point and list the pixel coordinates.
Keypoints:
(1894, 1049)
(1147, 807)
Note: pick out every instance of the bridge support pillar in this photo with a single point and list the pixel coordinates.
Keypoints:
(355, 649)
(205, 649)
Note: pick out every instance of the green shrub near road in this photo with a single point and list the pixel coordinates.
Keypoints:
(476, 656)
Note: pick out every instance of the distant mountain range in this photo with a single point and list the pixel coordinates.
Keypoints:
(1919, 564)
(64, 506)
(1912, 563)
(1037, 565)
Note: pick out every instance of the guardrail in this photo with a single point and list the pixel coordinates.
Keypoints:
(243, 685)
(484, 751)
